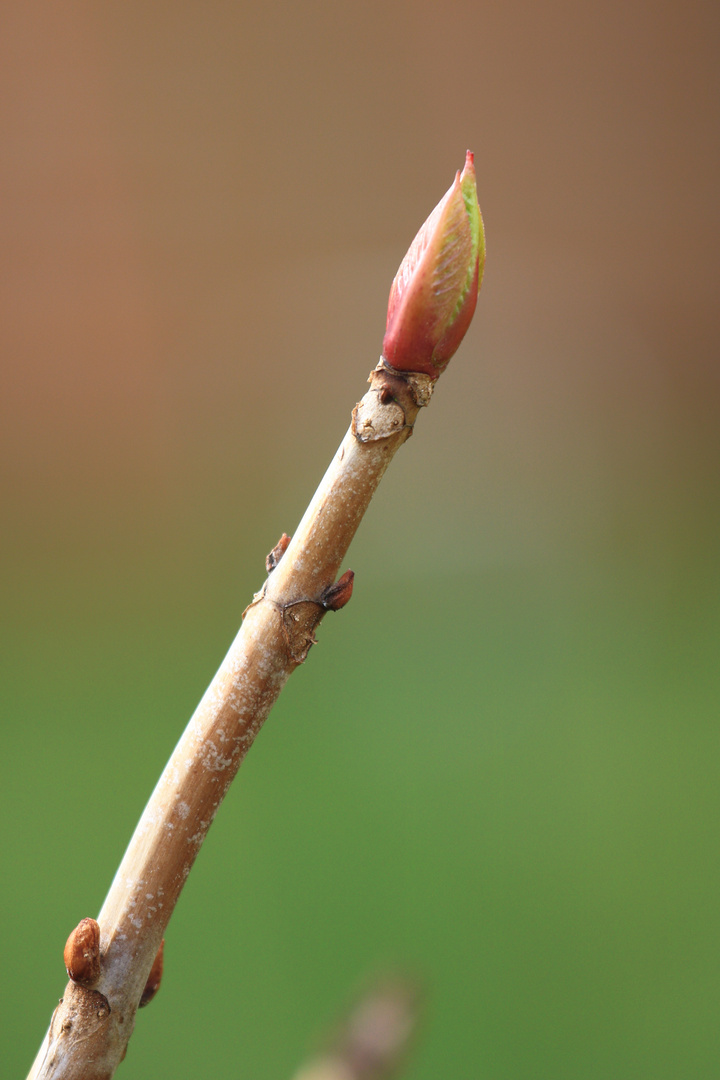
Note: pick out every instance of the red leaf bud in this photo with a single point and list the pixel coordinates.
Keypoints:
(433, 296)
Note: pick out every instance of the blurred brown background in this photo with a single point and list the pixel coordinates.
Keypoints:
(202, 207)
(199, 201)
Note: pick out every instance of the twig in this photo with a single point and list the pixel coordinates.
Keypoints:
(115, 964)
(372, 1042)
(91, 1026)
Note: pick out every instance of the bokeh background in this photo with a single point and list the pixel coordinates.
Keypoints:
(499, 767)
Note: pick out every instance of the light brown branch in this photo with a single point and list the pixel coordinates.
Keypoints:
(90, 1029)
(372, 1041)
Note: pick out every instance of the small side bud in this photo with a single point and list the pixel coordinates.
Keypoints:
(154, 978)
(336, 596)
(82, 953)
(277, 553)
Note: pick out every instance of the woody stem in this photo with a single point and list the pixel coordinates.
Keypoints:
(90, 1029)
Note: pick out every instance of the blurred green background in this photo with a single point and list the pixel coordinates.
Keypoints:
(499, 766)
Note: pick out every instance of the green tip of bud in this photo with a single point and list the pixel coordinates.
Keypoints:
(433, 296)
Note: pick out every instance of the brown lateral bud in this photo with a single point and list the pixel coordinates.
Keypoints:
(82, 953)
(153, 984)
(277, 553)
(336, 596)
